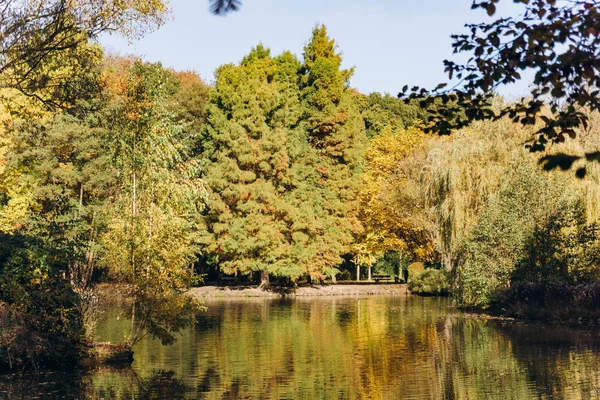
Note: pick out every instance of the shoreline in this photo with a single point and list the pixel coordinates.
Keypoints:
(366, 289)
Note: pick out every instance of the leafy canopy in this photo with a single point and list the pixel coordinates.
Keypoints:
(558, 40)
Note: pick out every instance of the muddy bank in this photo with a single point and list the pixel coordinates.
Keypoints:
(389, 289)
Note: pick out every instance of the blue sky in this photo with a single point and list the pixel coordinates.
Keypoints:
(391, 43)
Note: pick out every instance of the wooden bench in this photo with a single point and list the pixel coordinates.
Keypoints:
(381, 277)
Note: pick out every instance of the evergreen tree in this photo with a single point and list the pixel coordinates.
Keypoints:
(247, 163)
(283, 147)
(330, 166)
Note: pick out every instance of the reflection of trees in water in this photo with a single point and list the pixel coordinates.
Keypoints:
(127, 384)
(561, 362)
(97, 383)
(351, 348)
(43, 385)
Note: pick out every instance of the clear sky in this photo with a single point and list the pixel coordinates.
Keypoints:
(390, 42)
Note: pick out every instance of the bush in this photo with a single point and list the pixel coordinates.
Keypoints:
(551, 300)
(415, 269)
(40, 319)
(430, 282)
(344, 275)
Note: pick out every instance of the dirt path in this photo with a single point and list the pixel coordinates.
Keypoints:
(327, 290)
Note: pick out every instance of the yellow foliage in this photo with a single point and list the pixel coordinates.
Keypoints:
(390, 198)
(14, 187)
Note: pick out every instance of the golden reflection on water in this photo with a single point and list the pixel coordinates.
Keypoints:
(350, 348)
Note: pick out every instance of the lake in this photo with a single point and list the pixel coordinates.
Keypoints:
(338, 348)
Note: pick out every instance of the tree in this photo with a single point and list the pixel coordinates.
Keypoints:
(34, 32)
(331, 153)
(392, 209)
(283, 148)
(40, 319)
(557, 40)
(66, 168)
(152, 235)
(380, 111)
(247, 166)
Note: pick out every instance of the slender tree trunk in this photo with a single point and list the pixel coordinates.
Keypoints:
(448, 261)
(80, 199)
(370, 274)
(132, 244)
(264, 279)
(357, 269)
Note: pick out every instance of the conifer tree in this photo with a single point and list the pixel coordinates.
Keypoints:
(332, 159)
(247, 162)
(283, 147)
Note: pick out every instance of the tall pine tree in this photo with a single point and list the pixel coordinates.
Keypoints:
(330, 166)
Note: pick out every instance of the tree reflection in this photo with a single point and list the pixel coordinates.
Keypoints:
(376, 348)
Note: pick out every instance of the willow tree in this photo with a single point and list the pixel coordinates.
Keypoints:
(460, 174)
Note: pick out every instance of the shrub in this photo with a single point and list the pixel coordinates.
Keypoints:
(40, 318)
(551, 300)
(344, 275)
(415, 269)
(430, 282)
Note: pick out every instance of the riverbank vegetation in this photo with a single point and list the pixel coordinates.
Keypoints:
(115, 169)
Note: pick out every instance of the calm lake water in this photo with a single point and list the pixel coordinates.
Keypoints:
(339, 348)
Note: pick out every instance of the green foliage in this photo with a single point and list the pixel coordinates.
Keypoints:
(282, 162)
(555, 40)
(532, 229)
(497, 241)
(415, 268)
(40, 319)
(152, 236)
(68, 171)
(43, 44)
(247, 167)
(390, 264)
(430, 282)
(459, 176)
(379, 111)
(551, 300)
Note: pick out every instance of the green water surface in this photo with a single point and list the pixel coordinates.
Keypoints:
(339, 348)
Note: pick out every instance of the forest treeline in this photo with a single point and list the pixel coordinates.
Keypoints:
(132, 172)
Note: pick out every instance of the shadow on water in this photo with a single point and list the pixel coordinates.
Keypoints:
(97, 383)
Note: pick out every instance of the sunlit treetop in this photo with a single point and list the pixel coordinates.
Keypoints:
(37, 33)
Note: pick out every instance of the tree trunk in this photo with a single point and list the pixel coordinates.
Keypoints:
(80, 199)
(264, 279)
(357, 270)
(370, 274)
(447, 261)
